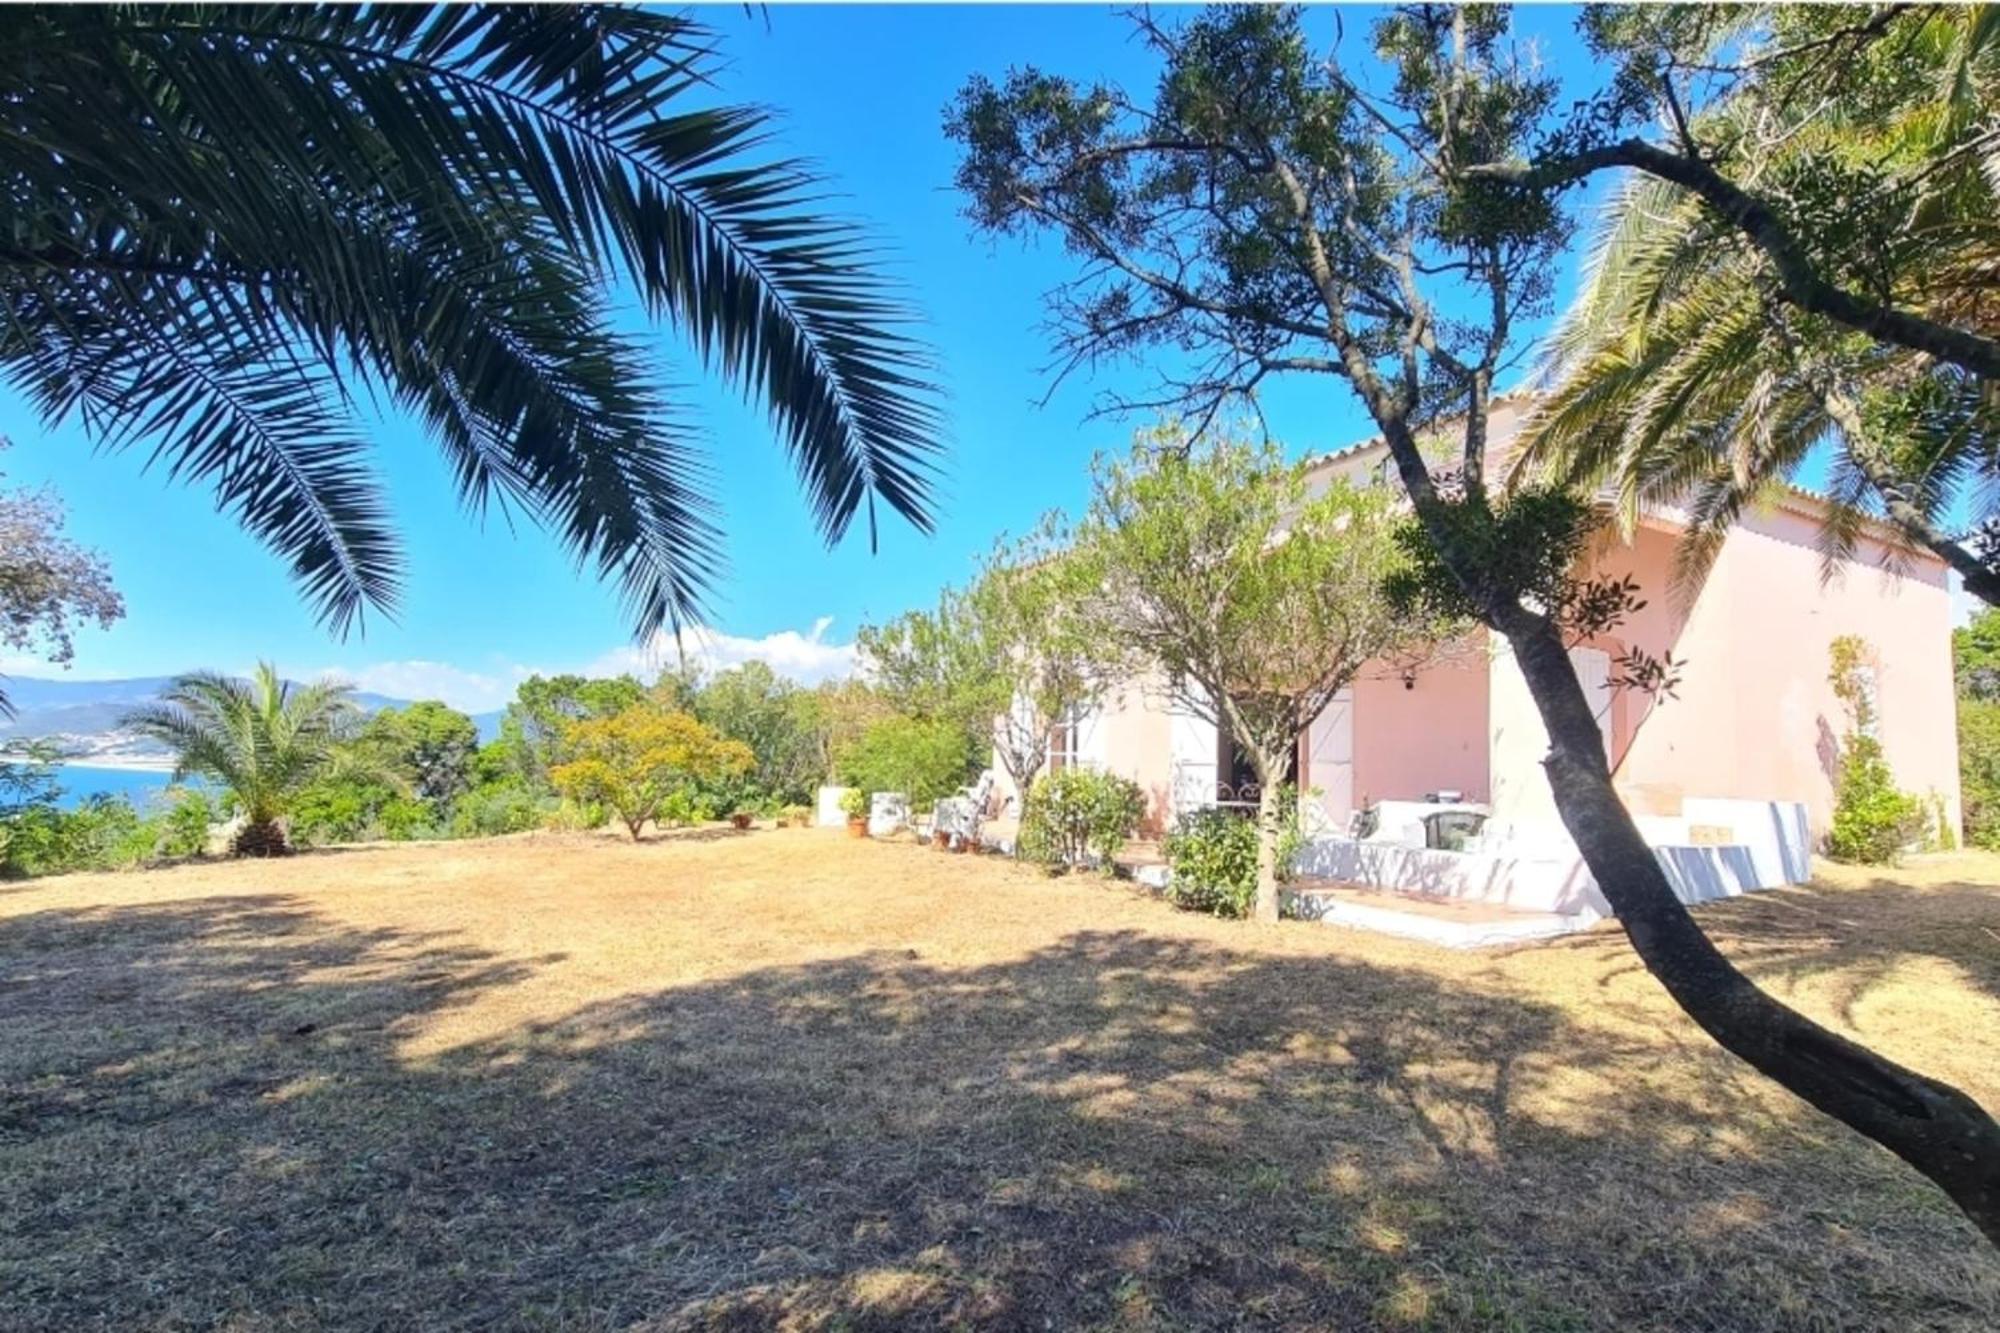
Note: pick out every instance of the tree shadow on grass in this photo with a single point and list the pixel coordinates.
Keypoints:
(209, 1117)
(1849, 938)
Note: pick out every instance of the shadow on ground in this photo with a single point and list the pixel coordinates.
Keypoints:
(208, 1119)
(1851, 938)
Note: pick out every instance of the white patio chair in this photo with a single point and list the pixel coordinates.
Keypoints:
(960, 817)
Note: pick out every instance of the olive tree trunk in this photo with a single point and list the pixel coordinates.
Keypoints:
(1933, 1126)
(1264, 908)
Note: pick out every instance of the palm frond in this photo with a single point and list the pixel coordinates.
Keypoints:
(431, 200)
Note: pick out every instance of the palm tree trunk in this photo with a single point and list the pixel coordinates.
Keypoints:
(261, 837)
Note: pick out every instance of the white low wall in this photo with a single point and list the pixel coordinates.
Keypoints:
(1528, 884)
(1540, 870)
(828, 813)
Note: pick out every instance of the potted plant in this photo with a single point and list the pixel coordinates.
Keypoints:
(795, 816)
(740, 817)
(854, 804)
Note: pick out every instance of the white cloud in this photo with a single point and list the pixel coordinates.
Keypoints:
(40, 667)
(807, 657)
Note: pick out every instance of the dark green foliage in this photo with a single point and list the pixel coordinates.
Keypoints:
(1979, 770)
(1976, 659)
(226, 220)
(490, 811)
(543, 705)
(1213, 858)
(37, 837)
(1975, 653)
(185, 825)
(779, 720)
(687, 807)
(360, 806)
(428, 745)
(1525, 544)
(1526, 548)
(923, 760)
(341, 808)
(1078, 815)
(1873, 821)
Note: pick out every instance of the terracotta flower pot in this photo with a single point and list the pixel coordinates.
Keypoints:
(739, 820)
(857, 828)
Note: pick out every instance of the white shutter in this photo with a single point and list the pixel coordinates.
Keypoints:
(1330, 758)
(1593, 671)
(1194, 775)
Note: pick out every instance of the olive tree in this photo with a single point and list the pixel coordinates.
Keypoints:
(1047, 660)
(1255, 601)
(1008, 657)
(934, 665)
(1391, 223)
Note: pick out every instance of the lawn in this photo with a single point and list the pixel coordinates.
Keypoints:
(788, 1079)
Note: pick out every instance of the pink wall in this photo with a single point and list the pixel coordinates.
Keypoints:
(1756, 717)
(1129, 735)
(1136, 742)
(1411, 741)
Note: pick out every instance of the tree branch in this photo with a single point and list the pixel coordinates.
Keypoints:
(1759, 223)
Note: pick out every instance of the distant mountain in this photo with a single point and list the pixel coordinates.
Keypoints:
(82, 716)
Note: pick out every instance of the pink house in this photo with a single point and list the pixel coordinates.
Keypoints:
(1732, 780)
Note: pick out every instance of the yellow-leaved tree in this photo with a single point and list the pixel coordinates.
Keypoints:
(633, 760)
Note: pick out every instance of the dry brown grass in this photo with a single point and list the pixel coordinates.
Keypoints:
(790, 1080)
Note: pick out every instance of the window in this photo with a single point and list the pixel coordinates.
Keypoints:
(1063, 742)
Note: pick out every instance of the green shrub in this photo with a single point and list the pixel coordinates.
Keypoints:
(687, 807)
(923, 760)
(1078, 814)
(184, 828)
(338, 809)
(499, 808)
(1872, 820)
(796, 814)
(1213, 856)
(1291, 831)
(573, 816)
(111, 834)
(854, 803)
(103, 833)
(1979, 770)
(405, 819)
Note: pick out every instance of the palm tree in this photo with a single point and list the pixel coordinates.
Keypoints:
(1678, 376)
(261, 740)
(226, 223)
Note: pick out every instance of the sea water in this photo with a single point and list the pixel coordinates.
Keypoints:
(80, 782)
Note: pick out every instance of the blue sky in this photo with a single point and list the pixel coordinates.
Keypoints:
(861, 91)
